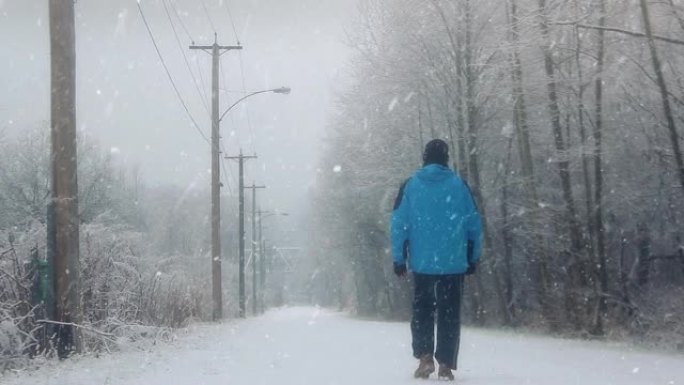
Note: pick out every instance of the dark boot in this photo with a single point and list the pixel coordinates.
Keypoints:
(445, 373)
(425, 367)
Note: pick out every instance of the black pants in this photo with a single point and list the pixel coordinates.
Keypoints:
(440, 293)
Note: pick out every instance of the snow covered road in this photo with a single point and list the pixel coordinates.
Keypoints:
(311, 346)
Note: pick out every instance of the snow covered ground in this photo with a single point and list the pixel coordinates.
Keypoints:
(311, 346)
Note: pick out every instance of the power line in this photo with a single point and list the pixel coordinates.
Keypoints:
(168, 73)
(232, 23)
(175, 10)
(229, 91)
(185, 58)
(204, 88)
(223, 78)
(242, 75)
(230, 170)
(226, 170)
(223, 74)
(244, 89)
(206, 12)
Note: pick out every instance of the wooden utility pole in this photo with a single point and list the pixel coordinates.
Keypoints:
(241, 229)
(265, 269)
(217, 295)
(63, 218)
(262, 264)
(254, 187)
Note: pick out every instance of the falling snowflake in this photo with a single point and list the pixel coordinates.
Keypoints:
(393, 104)
(507, 130)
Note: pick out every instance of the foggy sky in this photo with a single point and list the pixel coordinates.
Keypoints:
(126, 102)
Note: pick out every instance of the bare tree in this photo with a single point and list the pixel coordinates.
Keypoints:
(664, 94)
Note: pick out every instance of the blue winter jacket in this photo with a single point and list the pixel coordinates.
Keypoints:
(435, 218)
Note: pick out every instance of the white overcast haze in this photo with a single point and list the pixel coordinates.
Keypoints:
(127, 103)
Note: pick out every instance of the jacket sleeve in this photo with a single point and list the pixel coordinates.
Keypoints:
(400, 226)
(473, 229)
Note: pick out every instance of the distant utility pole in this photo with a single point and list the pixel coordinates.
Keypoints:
(63, 221)
(262, 263)
(216, 51)
(241, 231)
(254, 187)
(263, 255)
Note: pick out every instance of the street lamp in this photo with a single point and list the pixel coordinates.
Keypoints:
(281, 90)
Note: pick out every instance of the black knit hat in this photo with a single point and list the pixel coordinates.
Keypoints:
(436, 151)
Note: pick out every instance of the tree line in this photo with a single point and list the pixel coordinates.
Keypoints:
(565, 118)
(144, 250)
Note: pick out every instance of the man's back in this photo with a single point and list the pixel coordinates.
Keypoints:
(436, 214)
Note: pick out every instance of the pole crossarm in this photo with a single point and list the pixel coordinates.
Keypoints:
(221, 47)
(254, 187)
(240, 157)
(268, 213)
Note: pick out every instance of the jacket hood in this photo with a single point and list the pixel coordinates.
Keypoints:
(434, 173)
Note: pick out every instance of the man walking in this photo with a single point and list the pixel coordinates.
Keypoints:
(436, 228)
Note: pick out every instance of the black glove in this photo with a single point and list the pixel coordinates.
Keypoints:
(471, 269)
(400, 269)
(471, 266)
